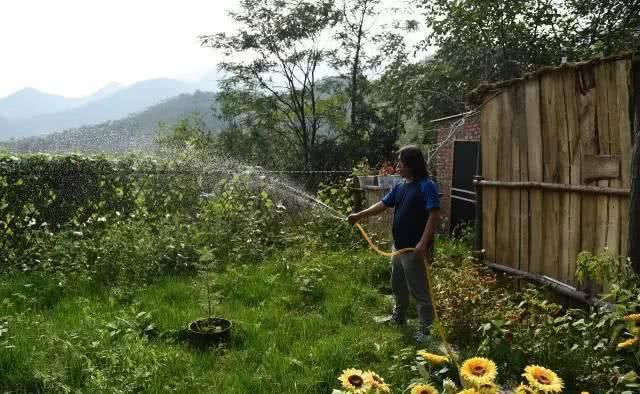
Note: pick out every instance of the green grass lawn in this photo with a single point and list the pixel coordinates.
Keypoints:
(299, 319)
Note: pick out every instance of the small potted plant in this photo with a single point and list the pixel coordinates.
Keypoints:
(387, 177)
(362, 171)
(211, 330)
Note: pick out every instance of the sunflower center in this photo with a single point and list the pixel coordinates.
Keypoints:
(356, 381)
(478, 370)
(424, 392)
(543, 379)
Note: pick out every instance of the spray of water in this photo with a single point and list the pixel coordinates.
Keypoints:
(214, 167)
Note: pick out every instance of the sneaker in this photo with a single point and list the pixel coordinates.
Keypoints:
(423, 334)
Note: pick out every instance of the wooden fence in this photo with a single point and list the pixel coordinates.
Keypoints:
(378, 226)
(556, 152)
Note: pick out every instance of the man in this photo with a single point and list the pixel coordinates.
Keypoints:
(416, 213)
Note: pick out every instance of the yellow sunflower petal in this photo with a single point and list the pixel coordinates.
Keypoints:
(433, 359)
(424, 389)
(353, 380)
(377, 382)
(522, 389)
(488, 388)
(468, 391)
(628, 343)
(477, 371)
(542, 379)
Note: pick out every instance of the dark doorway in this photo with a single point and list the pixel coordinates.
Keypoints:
(463, 196)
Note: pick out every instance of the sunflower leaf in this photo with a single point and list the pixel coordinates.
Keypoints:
(423, 372)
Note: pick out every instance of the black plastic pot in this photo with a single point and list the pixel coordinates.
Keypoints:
(209, 338)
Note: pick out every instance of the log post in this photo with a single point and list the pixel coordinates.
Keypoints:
(633, 247)
(478, 219)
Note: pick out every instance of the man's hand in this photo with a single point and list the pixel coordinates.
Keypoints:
(421, 249)
(353, 218)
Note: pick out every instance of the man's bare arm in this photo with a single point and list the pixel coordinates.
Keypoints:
(373, 210)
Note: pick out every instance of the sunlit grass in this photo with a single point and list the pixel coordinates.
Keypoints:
(289, 335)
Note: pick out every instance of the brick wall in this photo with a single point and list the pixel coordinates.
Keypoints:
(470, 131)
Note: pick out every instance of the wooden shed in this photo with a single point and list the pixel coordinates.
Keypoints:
(556, 166)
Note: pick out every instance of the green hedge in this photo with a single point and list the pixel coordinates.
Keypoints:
(53, 191)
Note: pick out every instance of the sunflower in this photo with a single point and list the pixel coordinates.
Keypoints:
(628, 343)
(477, 371)
(542, 379)
(488, 388)
(468, 391)
(423, 389)
(354, 381)
(522, 389)
(377, 382)
(433, 359)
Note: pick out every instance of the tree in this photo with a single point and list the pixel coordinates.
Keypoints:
(491, 40)
(247, 135)
(274, 57)
(604, 27)
(191, 132)
(351, 58)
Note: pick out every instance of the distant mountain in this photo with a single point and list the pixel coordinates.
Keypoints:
(135, 133)
(109, 103)
(30, 102)
(107, 90)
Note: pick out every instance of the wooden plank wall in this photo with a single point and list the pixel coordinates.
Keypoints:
(378, 227)
(540, 130)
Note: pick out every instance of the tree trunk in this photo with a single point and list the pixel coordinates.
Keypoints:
(355, 71)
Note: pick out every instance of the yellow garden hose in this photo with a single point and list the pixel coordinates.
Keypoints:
(429, 282)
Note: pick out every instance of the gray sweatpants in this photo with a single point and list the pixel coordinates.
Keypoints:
(408, 277)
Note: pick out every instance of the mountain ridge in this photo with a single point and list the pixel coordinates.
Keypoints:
(30, 112)
(134, 133)
(119, 104)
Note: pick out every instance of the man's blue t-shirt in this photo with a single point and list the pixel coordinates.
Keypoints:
(411, 202)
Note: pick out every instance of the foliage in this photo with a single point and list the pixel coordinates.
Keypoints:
(247, 133)
(480, 40)
(338, 195)
(332, 231)
(361, 168)
(486, 316)
(46, 192)
(274, 55)
(241, 220)
(296, 280)
(605, 268)
(111, 253)
(191, 132)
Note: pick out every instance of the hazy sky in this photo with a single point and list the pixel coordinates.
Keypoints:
(74, 47)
